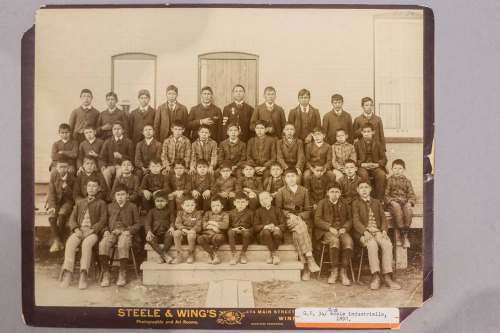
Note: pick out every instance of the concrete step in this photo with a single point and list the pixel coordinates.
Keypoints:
(165, 274)
(255, 253)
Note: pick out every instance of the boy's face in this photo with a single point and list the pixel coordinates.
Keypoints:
(398, 169)
(216, 207)
(64, 134)
(177, 131)
(121, 197)
(206, 97)
(367, 133)
(238, 94)
(240, 204)
(364, 190)
(117, 130)
(341, 136)
(334, 194)
(92, 189)
(155, 168)
(289, 131)
(248, 171)
(350, 169)
(202, 169)
(318, 171)
(86, 99)
(171, 96)
(260, 130)
(126, 167)
(368, 107)
(291, 179)
(143, 100)
(89, 134)
(89, 166)
(318, 137)
(275, 171)
(204, 134)
(189, 206)
(233, 132)
(337, 104)
(148, 132)
(111, 102)
(160, 203)
(179, 170)
(225, 173)
(270, 96)
(265, 199)
(62, 168)
(304, 100)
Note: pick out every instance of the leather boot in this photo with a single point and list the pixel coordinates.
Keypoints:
(234, 259)
(375, 282)
(65, 279)
(343, 277)
(190, 257)
(104, 260)
(122, 274)
(306, 274)
(178, 258)
(276, 259)
(82, 283)
(270, 258)
(313, 267)
(243, 258)
(333, 275)
(390, 283)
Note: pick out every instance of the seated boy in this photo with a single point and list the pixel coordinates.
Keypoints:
(109, 116)
(60, 201)
(168, 113)
(317, 183)
(233, 149)
(342, 151)
(158, 227)
(66, 147)
(129, 180)
(213, 230)
(146, 150)
(369, 222)
(250, 185)
(304, 116)
(114, 150)
(318, 152)
(332, 223)
(240, 227)
(152, 182)
(225, 185)
(187, 226)
(123, 223)
(88, 218)
(179, 183)
(294, 201)
(84, 115)
(261, 150)
(400, 198)
(269, 224)
(204, 148)
(270, 114)
(175, 147)
(371, 160)
(91, 146)
(349, 183)
(275, 181)
(141, 116)
(202, 183)
(89, 171)
(290, 151)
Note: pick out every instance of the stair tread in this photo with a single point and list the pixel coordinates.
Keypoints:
(148, 265)
(225, 247)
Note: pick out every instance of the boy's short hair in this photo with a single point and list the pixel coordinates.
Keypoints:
(207, 88)
(187, 197)
(204, 127)
(117, 123)
(93, 180)
(340, 129)
(63, 159)
(240, 195)
(337, 97)
(217, 198)
(143, 92)
(303, 92)
(86, 91)
(226, 165)
(201, 162)
(334, 184)
(89, 158)
(126, 160)
(349, 161)
(233, 124)
(155, 160)
(317, 164)
(120, 187)
(289, 124)
(363, 181)
(88, 126)
(240, 86)
(179, 162)
(367, 125)
(399, 162)
(261, 122)
(291, 170)
(318, 130)
(178, 124)
(160, 194)
(64, 126)
(172, 88)
(366, 99)
(247, 163)
(275, 164)
(112, 94)
(269, 88)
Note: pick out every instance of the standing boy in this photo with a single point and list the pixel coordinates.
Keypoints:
(179, 182)
(317, 184)
(275, 180)
(110, 116)
(176, 147)
(157, 226)
(66, 147)
(261, 150)
(304, 117)
(84, 115)
(240, 227)
(145, 151)
(337, 118)
(369, 116)
(213, 234)
(141, 116)
(169, 113)
(238, 113)
(269, 114)
(342, 151)
(187, 226)
(204, 148)
(349, 183)
(205, 113)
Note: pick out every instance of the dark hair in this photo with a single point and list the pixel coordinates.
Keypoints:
(150, 125)
(399, 162)
(88, 126)
(177, 124)
(155, 160)
(334, 184)
(117, 123)
(261, 122)
(239, 85)
(217, 198)
(86, 91)
(340, 129)
(120, 187)
(364, 181)
(179, 162)
(187, 198)
(143, 92)
(317, 164)
(337, 97)
(204, 127)
(113, 94)
(160, 194)
(275, 164)
(240, 195)
(303, 92)
(172, 88)
(64, 126)
(201, 162)
(290, 170)
(232, 124)
(226, 165)
(93, 180)
(90, 158)
(207, 88)
(366, 99)
(349, 161)
(126, 160)
(367, 125)
(269, 88)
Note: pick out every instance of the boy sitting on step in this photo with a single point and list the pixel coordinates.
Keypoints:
(214, 225)
(225, 185)
(157, 226)
(187, 226)
(240, 226)
(152, 182)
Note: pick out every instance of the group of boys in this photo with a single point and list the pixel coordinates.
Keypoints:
(209, 177)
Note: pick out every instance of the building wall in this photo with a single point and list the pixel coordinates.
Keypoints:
(74, 50)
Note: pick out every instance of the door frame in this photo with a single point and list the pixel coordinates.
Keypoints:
(228, 55)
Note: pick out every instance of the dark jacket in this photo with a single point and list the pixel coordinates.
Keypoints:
(241, 219)
(57, 193)
(377, 124)
(98, 214)
(263, 216)
(137, 119)
(80, 118)
(261, 151)
(125, 218)
(297, 203)
(236, 153)
(123, 146)
(68, 149)
(107, 117)
(157, 221)
(332, 122)
(240, 116)
(290, 154)
(80, 186)
(200, 112)
(275, 118)
(164, 118)
(360, 211)
(144, 153)
(154, 183)
(350, 188)
(132, 184)
(85, 147)
(378, 153)
(302, 129)
(326, 217)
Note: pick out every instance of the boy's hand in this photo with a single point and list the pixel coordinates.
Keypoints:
(51, 211)
(147, 194)
(78, 232)
(365, 165)
(232, 194)
(195, 194)
(299, 171)
(150, 236)
(117, 155)
(171, 230)
(185, 231)
(224, 194)
(341, 231)
(252, 195)
(206, 194)
(126, 233)
(367, 236)
(106, 127)
(179, 193)
(269, 226)
(116, 232)
(334, 231)
(93, 153)
(206, 121)
(269, 129)
(315, 206)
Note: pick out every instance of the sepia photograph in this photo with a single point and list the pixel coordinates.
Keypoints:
(229, 157)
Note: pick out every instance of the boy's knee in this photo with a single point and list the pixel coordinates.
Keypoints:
(177, 234)
(372, 245)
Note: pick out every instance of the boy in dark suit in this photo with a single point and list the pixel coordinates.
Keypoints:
(213, 232)
(84, 115)
(239, 113)
(187, 226)
(145, 151)
(317, 183)
(261, 150)
(225, 185)
(152, 182)
(349, 183)
(337, 118)
(141, 116)
(158, 227)
(275, 180)
(205, 113)
(290, 150)
(304, 117)
(232, 149)
(179, 183)
(66, 147)
(169, 113)
(369, 116)
(202, 183)
(91, 146)
(90, 172)
(129, 180)
(270, 114)
(318, 152)
(249, 184)
(110, 116)
(240, 226)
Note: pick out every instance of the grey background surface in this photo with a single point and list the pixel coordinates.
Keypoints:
(466, 270)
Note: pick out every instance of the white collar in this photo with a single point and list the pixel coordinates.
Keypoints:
(144, 109)
(269, 105)
(86, 108)
(368, 115)
(205, 105)
(239, 103)
(112, 110)
(233, 141)
(91, 142)
(65, 141)
(64, 177)
(118, 138)
(148, 141)
(172, 104)
(294, 188)
(304, 109)
(338, 113)
(319, 145)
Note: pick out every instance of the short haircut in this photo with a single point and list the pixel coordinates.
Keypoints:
(240, 86)
(291, 170)
(117, 123)
(120, 187)
(363, 181)
(178, 124)
(318, 130)
(144, 92)
(303, 92)
(172, 88)
(269, 88)
(317, 164)
(349, 161)
(367, 125)
(204, 127)
(86, 91)
(240, 196)
(226, 165)
(399, 162)
(276, 164)
(366, 99)
(112, 94)
(341, 130)
(88, 126)
(179, 162)
(289, 124)
(187, 198)
(232, 124)
(337, 97)
(155, 160)
(248, 163)
(333, 184)
(64, 126)
(261, 122)
(207, 88)
(160, 194)
(126, 160)
(148, 125)
(90, 158)
(93, 180)
(217, 198)
(201, 162)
